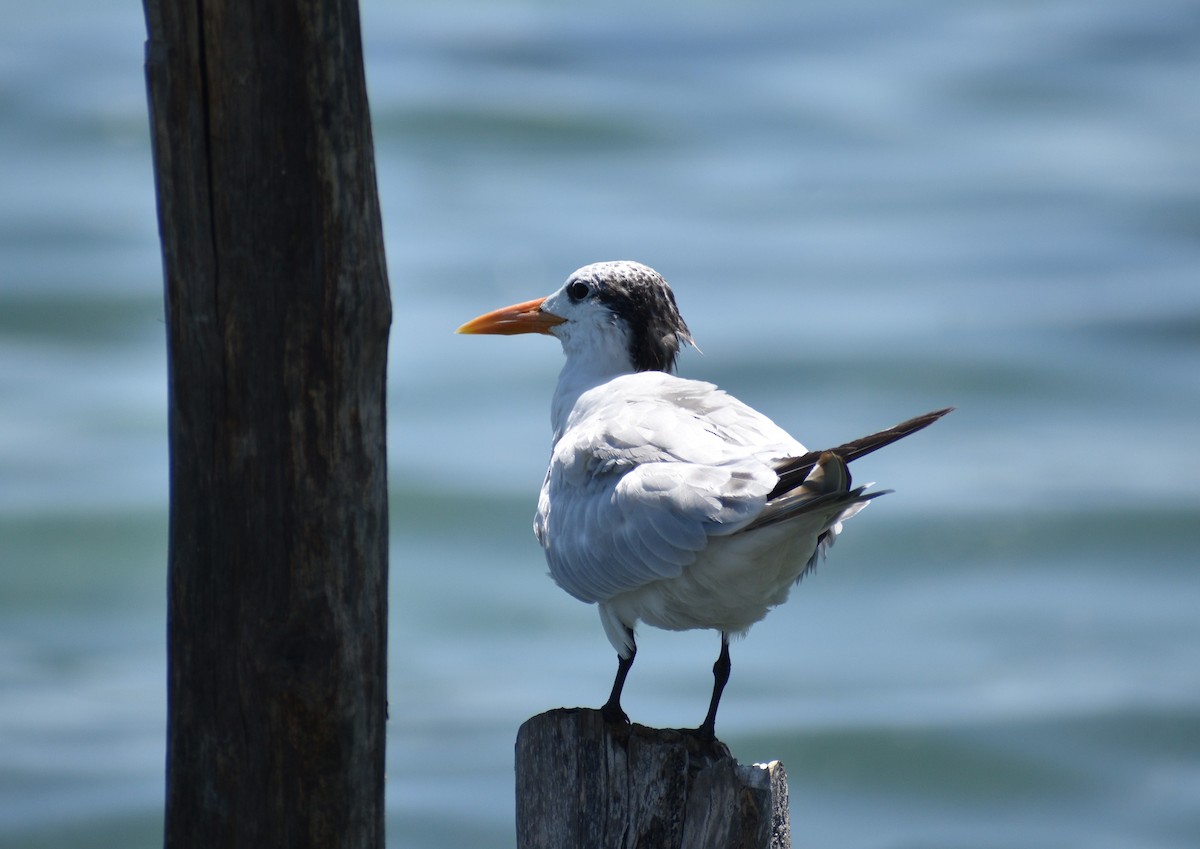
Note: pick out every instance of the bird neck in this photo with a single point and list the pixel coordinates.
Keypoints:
(578, 375)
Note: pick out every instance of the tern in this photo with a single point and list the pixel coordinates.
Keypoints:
(667, 501)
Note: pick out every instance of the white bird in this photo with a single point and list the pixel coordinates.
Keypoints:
(668, 501)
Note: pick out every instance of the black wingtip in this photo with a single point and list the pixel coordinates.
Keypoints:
(793, 471)
(859, 447)
(910, 426)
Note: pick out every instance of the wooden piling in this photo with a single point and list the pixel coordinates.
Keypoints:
(277, 314)
(585, 784)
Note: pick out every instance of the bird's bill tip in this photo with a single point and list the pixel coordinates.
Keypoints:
(526, 317)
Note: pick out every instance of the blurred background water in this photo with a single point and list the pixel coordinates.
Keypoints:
(867, 210)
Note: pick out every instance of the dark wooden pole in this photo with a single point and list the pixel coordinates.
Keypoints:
(277, 319)
(584, 784)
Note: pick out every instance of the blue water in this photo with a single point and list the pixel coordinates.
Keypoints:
(868, 210)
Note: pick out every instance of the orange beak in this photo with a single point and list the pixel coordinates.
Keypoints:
(519, 318)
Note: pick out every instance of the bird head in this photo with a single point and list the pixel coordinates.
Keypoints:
(620, 311)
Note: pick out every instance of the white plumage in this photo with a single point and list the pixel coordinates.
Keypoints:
(668, 501)
(650, 481)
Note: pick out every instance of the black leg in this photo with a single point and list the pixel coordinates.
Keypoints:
(708, 728)
(612, 708)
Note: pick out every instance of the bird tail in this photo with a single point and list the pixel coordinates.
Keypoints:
(825, 490)
(794, 471)
(818, 485)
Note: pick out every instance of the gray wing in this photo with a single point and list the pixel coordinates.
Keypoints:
(645, 476)
(629, 529)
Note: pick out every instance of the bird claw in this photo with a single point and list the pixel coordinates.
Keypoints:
(613, 715)
(705, 733)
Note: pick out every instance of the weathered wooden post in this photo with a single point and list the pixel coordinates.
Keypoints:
(277, 311)
(585, 784)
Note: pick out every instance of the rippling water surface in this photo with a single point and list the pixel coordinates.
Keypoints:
(867, 210)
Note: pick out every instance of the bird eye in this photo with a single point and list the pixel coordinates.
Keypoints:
(578, 290)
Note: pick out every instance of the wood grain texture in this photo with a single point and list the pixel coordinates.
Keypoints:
(278, 311)
(584, 784)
